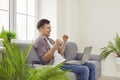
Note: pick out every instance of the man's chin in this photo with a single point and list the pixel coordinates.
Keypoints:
(48, 35)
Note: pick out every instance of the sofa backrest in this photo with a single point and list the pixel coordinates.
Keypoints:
(70, 51)
(32, 55)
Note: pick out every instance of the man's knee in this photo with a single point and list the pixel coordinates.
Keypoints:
(91, 66)
(84, 69)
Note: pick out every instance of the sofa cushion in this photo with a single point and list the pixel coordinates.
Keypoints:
(70, 50)
(71, 76)
(32, 55)
(94, 57)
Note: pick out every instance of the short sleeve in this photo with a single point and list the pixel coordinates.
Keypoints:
(40, 49)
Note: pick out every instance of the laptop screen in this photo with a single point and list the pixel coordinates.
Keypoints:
(86, 54)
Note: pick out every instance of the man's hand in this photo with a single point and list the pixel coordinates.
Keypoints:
(49, 55)
(58, 43)
(65, 38)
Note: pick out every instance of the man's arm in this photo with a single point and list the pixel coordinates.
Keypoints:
(49, 55)
(62, 49)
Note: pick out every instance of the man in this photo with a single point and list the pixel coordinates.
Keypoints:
(46, 48)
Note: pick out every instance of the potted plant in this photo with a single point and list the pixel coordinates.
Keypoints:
(9, 35)
(112, 48)
(14, 66)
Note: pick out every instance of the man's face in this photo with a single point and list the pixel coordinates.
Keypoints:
(45, 30)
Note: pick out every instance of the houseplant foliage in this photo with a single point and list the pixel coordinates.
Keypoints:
(9, 35)
(112, 47)
(14, 66)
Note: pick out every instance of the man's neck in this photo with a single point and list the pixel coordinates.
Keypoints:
(44, 36)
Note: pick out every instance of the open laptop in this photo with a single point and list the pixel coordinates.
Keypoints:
(85, 58)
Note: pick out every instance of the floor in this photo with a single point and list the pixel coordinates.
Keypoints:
(109, 78)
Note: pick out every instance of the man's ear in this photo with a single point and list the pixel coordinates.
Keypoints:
(40, 29)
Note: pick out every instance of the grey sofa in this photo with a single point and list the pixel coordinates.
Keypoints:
(70, 53)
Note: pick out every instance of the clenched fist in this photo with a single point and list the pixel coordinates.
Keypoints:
(58, 42)
(65, 38)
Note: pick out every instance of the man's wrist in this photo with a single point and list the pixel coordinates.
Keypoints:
(64, 42)
(55, 47)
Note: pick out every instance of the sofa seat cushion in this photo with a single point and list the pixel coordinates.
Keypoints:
(71, 76)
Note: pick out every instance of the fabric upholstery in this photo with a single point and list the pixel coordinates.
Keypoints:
(32, 55)
(70, 51)
(92, 57)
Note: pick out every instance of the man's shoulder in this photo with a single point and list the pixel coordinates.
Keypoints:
(39, 38)
(38, 41)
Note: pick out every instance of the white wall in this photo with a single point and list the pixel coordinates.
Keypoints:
(102, 19)
(68, 21)
(91, 22)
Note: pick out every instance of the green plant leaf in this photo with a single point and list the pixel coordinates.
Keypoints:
(105, 52)
(7, 35)
(14, 66)
(111, 48)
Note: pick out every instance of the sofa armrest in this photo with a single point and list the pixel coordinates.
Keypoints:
(93, 57)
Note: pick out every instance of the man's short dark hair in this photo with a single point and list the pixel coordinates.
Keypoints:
(42, 22)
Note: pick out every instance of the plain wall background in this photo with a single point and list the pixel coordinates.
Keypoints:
(91, 22)
(87, 22)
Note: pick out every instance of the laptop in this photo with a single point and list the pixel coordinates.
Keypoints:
(85, 58)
